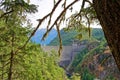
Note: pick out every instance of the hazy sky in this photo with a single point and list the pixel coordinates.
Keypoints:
(44, 7)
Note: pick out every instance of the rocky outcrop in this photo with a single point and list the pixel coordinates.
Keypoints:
(102, 65)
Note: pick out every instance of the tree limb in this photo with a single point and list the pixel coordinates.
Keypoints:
(6, 13)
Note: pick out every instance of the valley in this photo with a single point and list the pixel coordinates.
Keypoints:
(90, 57)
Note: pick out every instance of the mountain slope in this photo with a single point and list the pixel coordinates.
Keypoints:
(96, 62)
(69, 36)
(39, 34)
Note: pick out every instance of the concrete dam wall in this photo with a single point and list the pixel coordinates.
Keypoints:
(68, 52)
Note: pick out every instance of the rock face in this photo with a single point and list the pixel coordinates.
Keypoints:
(101, 64)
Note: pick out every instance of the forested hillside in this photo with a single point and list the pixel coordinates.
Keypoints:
(69, 36)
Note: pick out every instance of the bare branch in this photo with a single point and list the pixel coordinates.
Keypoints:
(88, 24)
(89, 2)
(59, 18)
(40, 22)
(60, 39)
(51, 13)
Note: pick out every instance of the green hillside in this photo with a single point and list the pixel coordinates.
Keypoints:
(69, 36)
(95, 62)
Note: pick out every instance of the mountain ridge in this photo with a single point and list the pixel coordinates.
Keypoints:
(37, 38)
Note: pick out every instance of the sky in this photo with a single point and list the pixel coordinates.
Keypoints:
(45, 6)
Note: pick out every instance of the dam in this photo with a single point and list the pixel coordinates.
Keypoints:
(68, 52)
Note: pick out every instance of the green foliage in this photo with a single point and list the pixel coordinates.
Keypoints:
(79, 57)
(110, 78)
(75, 76)
(29, 63)
(86, 75)
(18, 5)
(33, 64)
(38, 65)
(18, 62)
(86, 54)
(67, 38)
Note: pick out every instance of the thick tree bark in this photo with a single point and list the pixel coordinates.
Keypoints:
(108, 13)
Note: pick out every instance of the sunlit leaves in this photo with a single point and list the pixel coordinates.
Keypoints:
(79, 36)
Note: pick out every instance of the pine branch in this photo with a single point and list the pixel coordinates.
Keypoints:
(6, 13)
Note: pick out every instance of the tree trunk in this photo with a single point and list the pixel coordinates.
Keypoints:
(11, 66)
(108, 13)
(11, 59)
